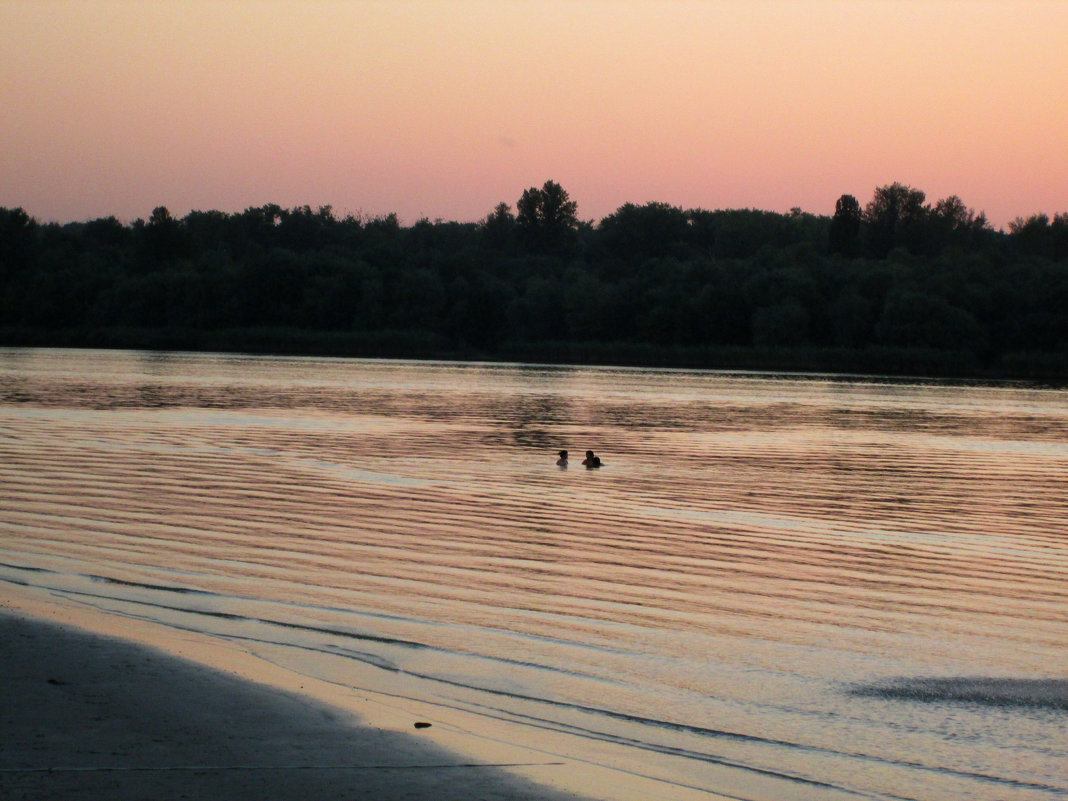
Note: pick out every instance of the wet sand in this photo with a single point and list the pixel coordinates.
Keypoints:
(83, 716)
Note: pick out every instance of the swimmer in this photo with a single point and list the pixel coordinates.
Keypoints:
(562, 461)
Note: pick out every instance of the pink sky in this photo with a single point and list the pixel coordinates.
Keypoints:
(444, 109)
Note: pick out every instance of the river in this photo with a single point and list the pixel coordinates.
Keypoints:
(819, 586)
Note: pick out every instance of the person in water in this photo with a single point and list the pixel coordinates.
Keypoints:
(562, 461)
(591, 461)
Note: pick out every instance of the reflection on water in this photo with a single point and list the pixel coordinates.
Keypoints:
(744, 584)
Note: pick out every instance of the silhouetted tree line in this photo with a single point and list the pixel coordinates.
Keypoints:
(900, 284)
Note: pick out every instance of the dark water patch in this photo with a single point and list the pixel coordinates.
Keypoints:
(143, 586)
(993, 692)
(27, 569)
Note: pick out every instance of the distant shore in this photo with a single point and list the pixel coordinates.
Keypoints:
(1042, 367)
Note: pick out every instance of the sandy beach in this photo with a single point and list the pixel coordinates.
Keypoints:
(85, 716)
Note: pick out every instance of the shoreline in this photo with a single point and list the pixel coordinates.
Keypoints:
(461, 756)
(1043, 368)
(89, 716)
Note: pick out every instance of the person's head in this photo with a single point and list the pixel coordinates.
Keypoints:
(563, 454)
(589, 454)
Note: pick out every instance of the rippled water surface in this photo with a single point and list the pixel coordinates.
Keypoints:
(849, 588)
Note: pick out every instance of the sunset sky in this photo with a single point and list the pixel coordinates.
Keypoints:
(444, 109)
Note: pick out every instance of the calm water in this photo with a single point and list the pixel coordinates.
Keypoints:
(843, 588)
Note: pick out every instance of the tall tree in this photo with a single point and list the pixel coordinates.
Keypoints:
(844, 235)
(952, 222)
(895, 218)
(547, 217)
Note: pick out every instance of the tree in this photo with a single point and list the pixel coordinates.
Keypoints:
(951, 212)
(915, 319)
(844, 236)
(547, 217)
(643, 232)
(1032, 235)
(106, 232)
(164, 238)
(782, 323)
(895, 218)
(1059, 232)
(952, 222)
(302, 229)
(18, 234)
(499, 227)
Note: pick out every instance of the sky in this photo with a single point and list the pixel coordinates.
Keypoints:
(443, 109)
